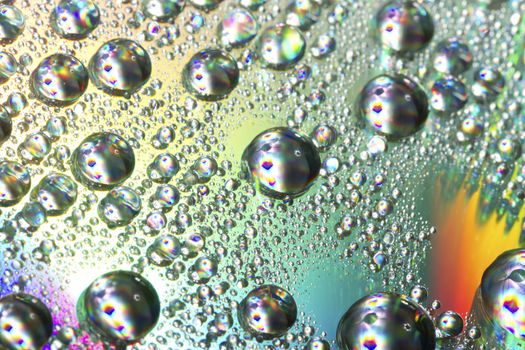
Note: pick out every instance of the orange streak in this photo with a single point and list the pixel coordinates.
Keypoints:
(463, 249)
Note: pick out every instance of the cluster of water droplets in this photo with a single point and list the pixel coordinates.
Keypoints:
(202, 157)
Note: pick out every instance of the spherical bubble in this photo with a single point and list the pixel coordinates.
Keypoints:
(206, 4)
(203, 270)
(56, 193)
(404, 26)
(34, 214)
(324, 136)
(452, 57)
(164, 250)
(281, 46)
(449, 324)
(35, 147)
(252, 4)
(8, 66)
(103, 161)
(211, 74)
(156, 221)
(267, 312)
(449, 95)
(237, 28)
(162, 10)
(119, 207)
(419, 294)
(163, 168)
(15, 103)
(502, 293)
(6, 125)
(194, 242)
(324, 45)
(55, 127)
(120, 306)
(26, 323)
(488, 84)
(59, 80)
(204, 168)
(384, 207)
(12, 23)
(281, 162)
(75, 19)
(376, 145)
(394, 106)
(167, 196)
(15, 182)
(120, 67)
(302, 13)
(507, 149)
(318, 344)
(474, 332)
(386, 321)
(471, 127)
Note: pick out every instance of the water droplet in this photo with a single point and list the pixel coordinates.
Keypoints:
(488, 84)
(15, 182)
(449, 324)
(324, 136)
(211, 74)
(12, 23)
(206, 4)
(164, 250)
(103, 161)
(162, 10)
(452, 57)
(56, 193)
(502, 296)
(449, 95)
(237, 28)
(404, 26)
(8, 66)
(394, 106)
(120, 67)
(302, 13)
(398, 324)
(119, 207)
(120, 306)
(163, 168)
(281, 46)
(26, 322)
(75, 19)
(267, 312)
(6, 125)
(281, 162)
(59, 80)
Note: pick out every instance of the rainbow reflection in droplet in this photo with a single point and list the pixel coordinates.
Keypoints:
(267, 312)
(120, 67)
(120, 306)
(281, 162)
(60, 80)
(103, 161)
